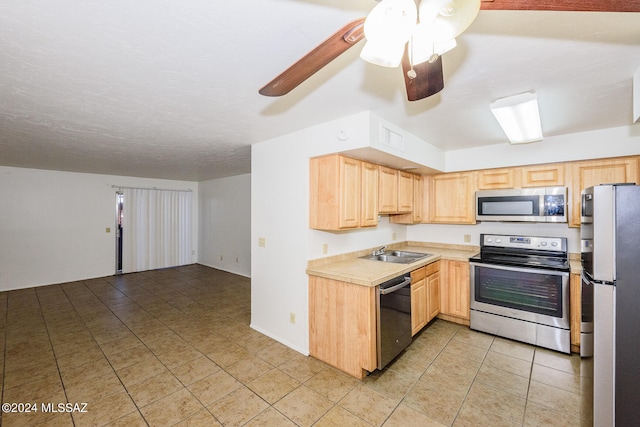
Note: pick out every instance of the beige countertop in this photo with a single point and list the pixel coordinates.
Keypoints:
(352, 269)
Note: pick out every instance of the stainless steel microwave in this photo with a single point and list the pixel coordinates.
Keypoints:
(542, 204)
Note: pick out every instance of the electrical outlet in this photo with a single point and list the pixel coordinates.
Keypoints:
(467, 238)
(325, 248)
(292, 318)
(108, 229)
(262, 242)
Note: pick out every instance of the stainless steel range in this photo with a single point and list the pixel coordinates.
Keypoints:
(520, 289)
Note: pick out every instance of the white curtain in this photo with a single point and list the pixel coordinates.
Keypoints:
(156, 229)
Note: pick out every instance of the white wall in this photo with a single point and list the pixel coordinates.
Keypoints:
(225, 218)
(53, 226)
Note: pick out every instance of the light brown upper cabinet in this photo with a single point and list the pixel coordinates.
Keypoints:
(395, 191)
(494, 179)
(551, 175)
(417, 213)
(595, 172)
(336, 199)
(451, 198)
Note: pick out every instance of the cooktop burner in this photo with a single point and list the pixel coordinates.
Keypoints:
(524, 251)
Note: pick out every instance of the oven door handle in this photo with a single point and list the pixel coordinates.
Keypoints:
(519, 269)
(394, 288)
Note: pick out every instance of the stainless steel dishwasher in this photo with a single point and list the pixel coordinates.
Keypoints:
(394, 318)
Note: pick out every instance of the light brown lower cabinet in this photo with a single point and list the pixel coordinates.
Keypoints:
(425, 296)
(455, 291)
(575, 309)
(342, 325)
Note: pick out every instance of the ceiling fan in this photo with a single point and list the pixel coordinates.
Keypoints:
(418, 44)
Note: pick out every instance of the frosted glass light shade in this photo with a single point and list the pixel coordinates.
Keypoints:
(449, 18)
(387, 29)
(519, 117)
(424, 47)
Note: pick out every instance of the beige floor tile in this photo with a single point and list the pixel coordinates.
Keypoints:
(436, 404)
(39, 390)
(140, 371)
(446, 382)
(513, 348)
(270, 418)
(227, 355)
(555, 398)
(471, 415)
(273, 385)
(475, 338)
(154, 388)
(503, 380)
(248, 369)
(36, 419)
(571, 364)
(368, 404)
(79, 357)
(559, 379)
(339, 417)
(404, 416)
(303, 406)
(87, 372)
(390, 383)
(302, 367)
(455, 364)
(134, 419)
(276, 354)
(105, 410)
(95, 389)
(195, 370)
(130, 357)
(539, 415)
(465, 350)
(507, 363)
(179, 355)
(171, 409)
(496, 401)
(332, 384)
(214, 387)
(238, 407)
(200, 419)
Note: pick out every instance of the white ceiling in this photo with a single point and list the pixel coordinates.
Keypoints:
(169, 88)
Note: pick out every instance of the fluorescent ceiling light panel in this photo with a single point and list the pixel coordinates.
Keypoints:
(519, 117)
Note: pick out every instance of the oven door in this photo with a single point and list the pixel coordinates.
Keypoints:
(529, 294)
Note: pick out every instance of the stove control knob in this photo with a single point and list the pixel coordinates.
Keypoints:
(489, 240)
(543, 243)
(498, 240)
(554, 243)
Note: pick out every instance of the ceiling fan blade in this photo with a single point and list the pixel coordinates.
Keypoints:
(428, 79)
(313, 61)
(563, 5)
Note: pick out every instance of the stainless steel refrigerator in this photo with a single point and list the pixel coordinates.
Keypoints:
(610, 246)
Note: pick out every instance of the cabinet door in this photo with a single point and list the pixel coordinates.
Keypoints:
(492, 179)
(452, 198)
(588, 173)
(418, 305)
(334, 192)
(542, 176)
(405, 191)
(350, 177)
(575, 298)
(387, 190)
(455, 290)
(369, 207)
(433, 295)
(417, 213)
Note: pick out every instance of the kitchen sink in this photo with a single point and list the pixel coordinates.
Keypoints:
(397, 257)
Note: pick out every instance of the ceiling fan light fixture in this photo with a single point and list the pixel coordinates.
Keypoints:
(519, 117)
(448, 18)
(391, 20)
(425, 48)
(383, 54)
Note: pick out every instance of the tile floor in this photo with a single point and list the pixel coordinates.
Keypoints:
(173, 347)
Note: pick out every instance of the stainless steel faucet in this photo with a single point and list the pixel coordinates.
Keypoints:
(379, 251)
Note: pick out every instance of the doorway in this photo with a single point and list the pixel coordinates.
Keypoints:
(119, 216)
